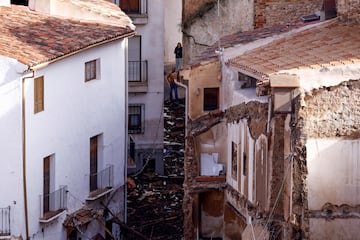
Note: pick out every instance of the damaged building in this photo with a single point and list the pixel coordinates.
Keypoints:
(206, 21)
(273, 140)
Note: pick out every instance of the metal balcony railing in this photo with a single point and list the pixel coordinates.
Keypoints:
(134, 6)
(102, 179)
(138, 71)
(5, 221)
(53, 203)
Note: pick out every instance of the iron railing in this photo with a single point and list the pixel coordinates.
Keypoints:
(138, 71)
(53, 202)
(134, 6)
(5, 221)
(102, 179)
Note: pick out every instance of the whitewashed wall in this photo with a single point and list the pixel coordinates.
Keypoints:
(333, 177)
(74, 112)
(152, 37)
(11, 182)
(173, 34)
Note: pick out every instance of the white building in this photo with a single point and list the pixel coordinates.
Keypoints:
(146, 83)
(63, 107)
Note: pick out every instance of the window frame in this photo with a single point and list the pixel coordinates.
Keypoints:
(92, 70)
(209, 103)
(140, 127)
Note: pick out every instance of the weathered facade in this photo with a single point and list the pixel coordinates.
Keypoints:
(204, 22)
(286, 131)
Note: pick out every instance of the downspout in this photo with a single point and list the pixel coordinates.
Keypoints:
(126, 128)
(186, 103)
(23, 114)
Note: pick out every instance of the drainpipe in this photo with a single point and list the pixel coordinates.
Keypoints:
(126, 128)
(186, 103)
(24, 152)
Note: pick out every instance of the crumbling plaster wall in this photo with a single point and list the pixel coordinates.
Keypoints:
(192, 188)
(326, 139)
(204, 25)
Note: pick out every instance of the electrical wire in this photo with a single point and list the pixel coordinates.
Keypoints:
(278, 195)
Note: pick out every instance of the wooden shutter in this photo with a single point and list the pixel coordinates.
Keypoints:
(39, 94)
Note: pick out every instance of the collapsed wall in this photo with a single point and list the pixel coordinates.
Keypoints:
(326, 140)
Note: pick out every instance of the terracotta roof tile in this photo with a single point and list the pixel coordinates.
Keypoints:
(329, 44)
(33, 38)
(243, 37)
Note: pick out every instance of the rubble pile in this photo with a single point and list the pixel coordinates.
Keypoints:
(174, 138)
(155, 202)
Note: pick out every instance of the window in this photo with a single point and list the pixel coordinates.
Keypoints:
(246, 81)
(39, 94)
(136, 118)
(234, 154)
(130, 6)
(92, 70)
(211, 99)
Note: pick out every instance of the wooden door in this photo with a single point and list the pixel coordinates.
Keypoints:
(93, 163)
(46, 185)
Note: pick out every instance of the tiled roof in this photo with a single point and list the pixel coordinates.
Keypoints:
(34, 38)
(331, 43)
(106, 9)
(244, 37)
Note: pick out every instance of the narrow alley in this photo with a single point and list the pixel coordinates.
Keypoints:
(155, 202)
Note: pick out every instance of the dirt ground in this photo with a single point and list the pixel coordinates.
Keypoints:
(155, 202)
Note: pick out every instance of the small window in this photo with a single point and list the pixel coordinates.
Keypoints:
(246, 81)
(130, 6)
(211, 99)
(92, 70)
(39, 94)
(136, 118)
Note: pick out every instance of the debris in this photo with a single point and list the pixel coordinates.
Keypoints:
(155, 203)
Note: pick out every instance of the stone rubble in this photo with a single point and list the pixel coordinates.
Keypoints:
(154, 201)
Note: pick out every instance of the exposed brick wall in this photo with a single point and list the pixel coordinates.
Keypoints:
(271, 12)
(349, 10)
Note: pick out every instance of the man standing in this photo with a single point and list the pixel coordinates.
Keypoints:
(171, 78)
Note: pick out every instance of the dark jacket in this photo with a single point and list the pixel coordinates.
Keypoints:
(178, 52)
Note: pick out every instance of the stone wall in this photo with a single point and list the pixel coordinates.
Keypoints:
(349, 10)
(339, 114)
(282, 12)
(204, 25)
(328, 113)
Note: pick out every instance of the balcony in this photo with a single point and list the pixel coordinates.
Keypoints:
(53, 204)
(101, 183)
(137, 10)
(138, 76)
(5, 221)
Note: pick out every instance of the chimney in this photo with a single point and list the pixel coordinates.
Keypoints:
(5, 3)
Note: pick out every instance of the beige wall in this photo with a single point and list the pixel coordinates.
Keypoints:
(202, 76)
